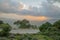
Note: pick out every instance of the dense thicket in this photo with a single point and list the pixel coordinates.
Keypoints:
(4, 29)
(51, 30)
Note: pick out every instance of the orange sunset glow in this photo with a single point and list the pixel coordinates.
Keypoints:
(37, 18)
(28, 17)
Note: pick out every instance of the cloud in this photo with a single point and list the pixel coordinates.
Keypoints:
(11, 5)
(56, 4)
(50, 10)
(52, 1)
(46, 8)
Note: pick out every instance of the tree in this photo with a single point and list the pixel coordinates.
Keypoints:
(56, 29)
(23, 24)
(45, 26)
(51, 30)
(57, 24)
(4, 29)
(1, 22)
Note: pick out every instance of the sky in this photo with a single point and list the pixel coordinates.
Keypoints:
(32, 10)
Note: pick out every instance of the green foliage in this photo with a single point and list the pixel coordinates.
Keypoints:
(23, 37)
(48, 31)
(52, 31)
(57, 24)
(1, 22)
(4, 29)
(56, 30)
(24, 24)
(41, 37)
(44, 27)
(32, 37)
